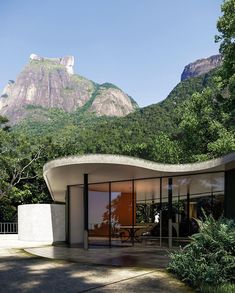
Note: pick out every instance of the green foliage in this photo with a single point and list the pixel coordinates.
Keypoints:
(21, 181)
(207, 119)
(203, 127)
(185, 89)
(224, 144)
(33, 107)
(8, 212)
(109, 85)
(90, 101)
(3, 120)
(166, 150)
(226, 28)
(225, 288)
(209, 259)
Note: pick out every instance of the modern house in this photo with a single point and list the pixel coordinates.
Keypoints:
(118, 200)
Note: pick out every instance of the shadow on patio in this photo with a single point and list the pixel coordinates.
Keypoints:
(21, 272)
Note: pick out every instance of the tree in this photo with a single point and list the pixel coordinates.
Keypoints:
(203, 129)
(165, 150)
(226, 28)
(17, 157)
(21, 161)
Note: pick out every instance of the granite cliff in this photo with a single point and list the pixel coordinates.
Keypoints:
(51, 83)
(201, 66)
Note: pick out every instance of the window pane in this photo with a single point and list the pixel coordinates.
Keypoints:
(98, 216)
(147, 200)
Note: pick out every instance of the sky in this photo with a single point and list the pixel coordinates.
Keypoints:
(141, 46)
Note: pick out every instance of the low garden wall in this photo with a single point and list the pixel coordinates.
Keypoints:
(41, 222)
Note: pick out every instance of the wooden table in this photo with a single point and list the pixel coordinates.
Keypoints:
(132, 230)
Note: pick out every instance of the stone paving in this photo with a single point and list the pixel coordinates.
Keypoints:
(145, 257)
(24, 272)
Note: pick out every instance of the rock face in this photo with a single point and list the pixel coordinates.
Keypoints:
(106, 98)
(51, 83)
(201, 66)
(67, 61)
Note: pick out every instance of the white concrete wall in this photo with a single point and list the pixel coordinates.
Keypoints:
(76, 215)
(41, 222)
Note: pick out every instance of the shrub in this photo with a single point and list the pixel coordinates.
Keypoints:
(226, 288)
(209, 259)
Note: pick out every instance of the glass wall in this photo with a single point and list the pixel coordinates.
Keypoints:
(128, 212)
(148, 207)
(122, 212)
(180, 206)
(147, 193)
(98, 214)
(194, 196)
(207, 195)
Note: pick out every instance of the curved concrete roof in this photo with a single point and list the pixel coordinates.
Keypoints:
(103, 168)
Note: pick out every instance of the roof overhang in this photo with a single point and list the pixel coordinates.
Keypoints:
(62, 172)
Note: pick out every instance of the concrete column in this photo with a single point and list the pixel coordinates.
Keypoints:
(160, 213)
(133, 211)
(85, 198)
(188, 211)
(67, 217)
(110, 216)
(229, 196)
(170, 212)
(76, 216)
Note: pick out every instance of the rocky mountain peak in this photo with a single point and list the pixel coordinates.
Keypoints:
(67, 61)
(52, 83)
(201, 66)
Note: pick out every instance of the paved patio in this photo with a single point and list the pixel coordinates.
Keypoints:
(145, 257)
(24, 272)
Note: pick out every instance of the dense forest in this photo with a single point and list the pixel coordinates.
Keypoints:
(195, 122)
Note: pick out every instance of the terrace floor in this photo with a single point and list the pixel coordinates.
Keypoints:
(63, 269)
(137, 256)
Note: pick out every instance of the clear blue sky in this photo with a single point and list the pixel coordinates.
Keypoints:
(141, 46)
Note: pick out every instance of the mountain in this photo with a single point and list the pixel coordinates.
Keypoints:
(142, 125)
(51, 83)
(184, 89)
(201, 66)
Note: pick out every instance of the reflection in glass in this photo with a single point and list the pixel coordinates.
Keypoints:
(98, 203)
(122, 210)
(194, 196)
(121, 203)
(115, 207)
(147, 200)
